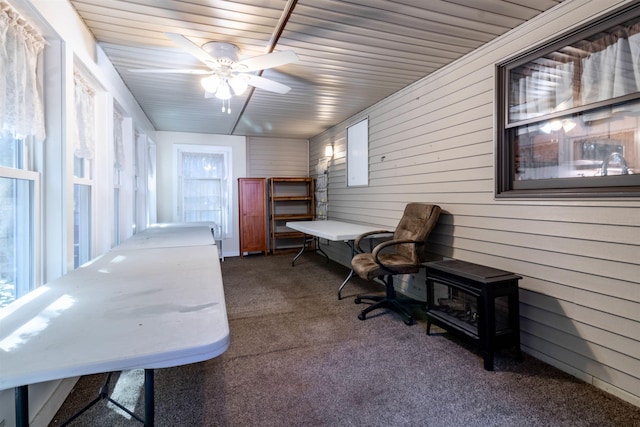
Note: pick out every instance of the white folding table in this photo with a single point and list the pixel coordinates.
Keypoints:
(337, 231)
(154, 307)
(170, 235)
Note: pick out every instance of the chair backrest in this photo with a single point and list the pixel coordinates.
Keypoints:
(416, 224)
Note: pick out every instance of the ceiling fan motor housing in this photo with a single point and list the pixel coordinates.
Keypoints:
(224, 53)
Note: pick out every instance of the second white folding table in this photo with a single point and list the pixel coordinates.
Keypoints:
(337, 231)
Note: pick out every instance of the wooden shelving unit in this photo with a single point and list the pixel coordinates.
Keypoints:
(290, 199)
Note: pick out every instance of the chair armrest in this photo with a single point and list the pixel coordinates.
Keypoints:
(356, 243)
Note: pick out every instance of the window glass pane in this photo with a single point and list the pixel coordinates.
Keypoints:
(81, 224)
(602, 142)
(11, 152)
(16, 239)
(202, 200)
(116, 216)
(78, 167)
(82, 168)
(540, 87)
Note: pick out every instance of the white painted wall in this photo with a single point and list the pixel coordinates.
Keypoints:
(165, 142)
(434, 142)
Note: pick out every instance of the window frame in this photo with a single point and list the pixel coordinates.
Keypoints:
(618, 186)
(29, 267)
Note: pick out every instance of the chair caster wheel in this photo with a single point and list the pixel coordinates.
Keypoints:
(362, 316)
(357, 300)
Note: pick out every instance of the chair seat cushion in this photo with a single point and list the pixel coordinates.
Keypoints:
(365, 266)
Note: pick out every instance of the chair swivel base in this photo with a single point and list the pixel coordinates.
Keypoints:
(385, 302)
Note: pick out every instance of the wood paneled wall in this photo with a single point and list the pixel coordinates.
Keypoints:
(279, 157)
(580, 258)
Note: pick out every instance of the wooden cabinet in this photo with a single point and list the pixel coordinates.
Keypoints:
(253, 215)
(290, 199)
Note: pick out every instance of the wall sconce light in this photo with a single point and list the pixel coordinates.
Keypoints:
(328, 151)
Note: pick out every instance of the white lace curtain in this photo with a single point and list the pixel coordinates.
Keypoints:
(203, 165)
(85, 118)
(205, 192)
(21, 107)
(118, 141)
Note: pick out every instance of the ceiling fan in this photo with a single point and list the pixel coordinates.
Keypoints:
(226, 71)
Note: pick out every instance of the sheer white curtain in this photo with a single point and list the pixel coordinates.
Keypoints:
(118, 142)
(205, 195)
(599, 70)
(611, 69)
(542, 90)
(85, 118)
(21, 108)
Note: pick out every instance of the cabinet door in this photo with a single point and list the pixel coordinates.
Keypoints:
(252, 196)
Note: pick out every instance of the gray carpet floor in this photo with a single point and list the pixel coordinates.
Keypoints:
(300, 357)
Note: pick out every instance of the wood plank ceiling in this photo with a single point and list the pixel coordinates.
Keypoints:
(352, 54)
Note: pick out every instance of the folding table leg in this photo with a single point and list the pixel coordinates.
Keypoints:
(149, 399)
(22, 406)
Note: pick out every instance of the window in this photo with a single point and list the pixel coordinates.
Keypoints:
(17, 240)
(119, 160)
(204, 186)
(21, 135)
(569, 114)
(83, 164)
(18, 187)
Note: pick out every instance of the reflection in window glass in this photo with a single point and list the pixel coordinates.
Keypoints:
(591, 70)
(596, 144)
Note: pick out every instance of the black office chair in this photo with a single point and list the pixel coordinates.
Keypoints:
(400, 255)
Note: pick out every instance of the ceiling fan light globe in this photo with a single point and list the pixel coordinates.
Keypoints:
(223, 91)
(238, 84)
(210, 83)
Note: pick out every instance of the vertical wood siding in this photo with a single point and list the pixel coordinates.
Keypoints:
(579, 258)
(280, 157)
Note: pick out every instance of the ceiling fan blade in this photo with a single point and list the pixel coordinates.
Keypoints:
(169, 71)
(269, 60)
(266, 84)
(192, 48)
